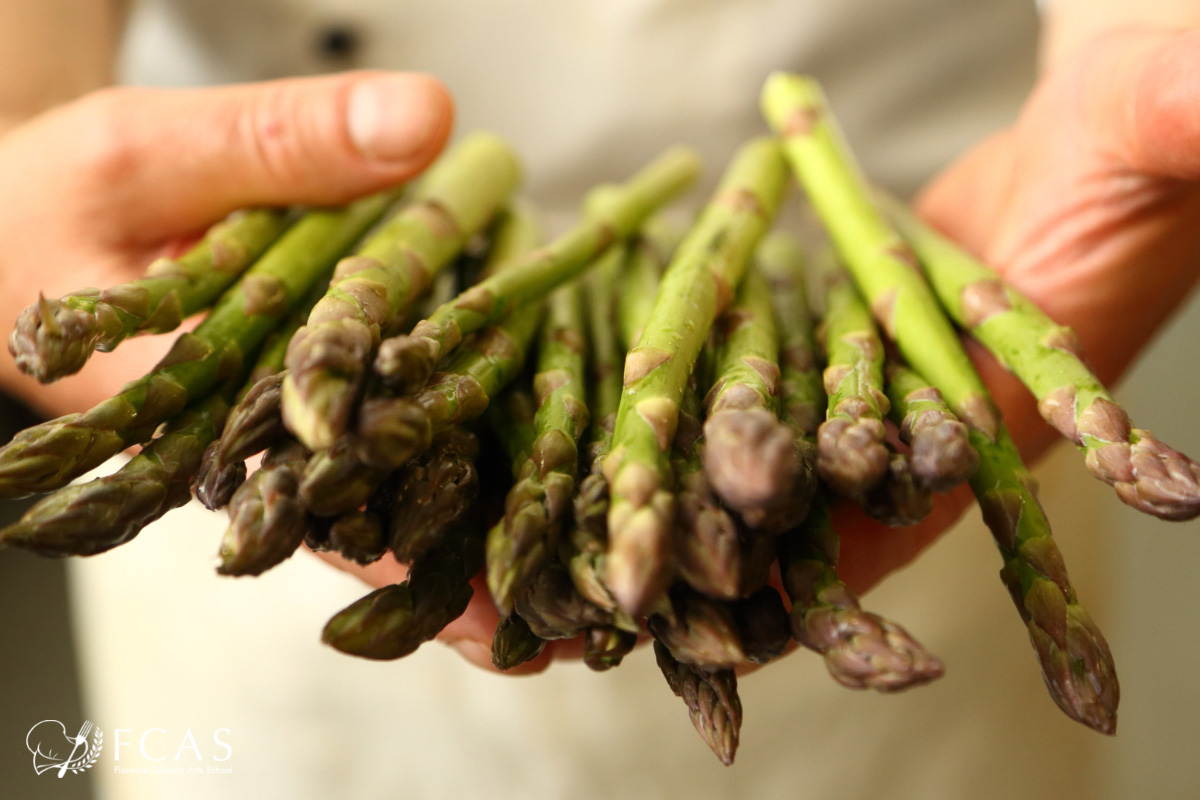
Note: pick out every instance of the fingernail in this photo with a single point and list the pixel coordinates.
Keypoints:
(393, 118)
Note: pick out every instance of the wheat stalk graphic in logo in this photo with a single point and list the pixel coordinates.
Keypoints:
(49, 737)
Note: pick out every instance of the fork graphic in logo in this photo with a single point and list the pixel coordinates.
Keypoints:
(49, 739)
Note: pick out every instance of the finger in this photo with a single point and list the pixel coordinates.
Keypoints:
(170, 161)
(871, 550)
(985, 175)
(1144, 101)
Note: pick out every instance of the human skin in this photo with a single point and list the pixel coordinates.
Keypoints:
(1087, 204)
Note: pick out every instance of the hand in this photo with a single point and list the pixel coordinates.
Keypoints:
(96, 189)
(1088, 205)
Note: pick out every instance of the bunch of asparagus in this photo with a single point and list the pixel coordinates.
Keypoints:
(631, 431)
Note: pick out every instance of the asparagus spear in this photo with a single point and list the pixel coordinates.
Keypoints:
(698, 284)
(872, 652)
(214, 483)
(647, 258)
(514, 643)
(338, 480)
(1146, 474)
(434, 494)
(899, 499)
(942, 456)
(554, 609)
(802, 394)
(750, 457)
(358, 536)
(615, 321)
(50, 455)
(511, 419)
(536, 505)
(253, 424)
(605, 647)
(585, 550)
(55, 338)
(711, 698)
(266, 522)
(1075, 659)
(392, 622)
(328, 358)
(861, 650)
(852, 455)
(600, 311)
(715, 554)
(89, 518)
(762, 623)
(406, 363)
(714, 634)
(386, 421)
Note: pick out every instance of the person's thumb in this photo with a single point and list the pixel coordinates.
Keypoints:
(169, 161)
(1143, 101)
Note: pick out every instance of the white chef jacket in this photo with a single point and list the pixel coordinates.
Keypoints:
(588, 90)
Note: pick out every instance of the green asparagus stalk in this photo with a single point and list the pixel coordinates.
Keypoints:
(615, 320)
(1146, 474)
(214, 483)
(55, 338)
(861, 650)
(605, 647)
(392, 622)
(339, 480)
(698, 284)
(712, 701)
(713, 634)
(516, 233)
(1076, 662)
(511, 419)
(89, 518)
(585, 551)
(385, 421)
(715, 554)
(600, 310)
(406, 362)
(328, 358)
(554, 609)
(942, 456)
(514, 643)
(336, 480)
(780, 259)
(899, 499)
(358, 536)
(763, 625)
(541, 498)
(267, 524)
(50, 455)
(852, 454)
(750, 457)
(253, 424)
(434, 494)
(393, 431)
(648, 256)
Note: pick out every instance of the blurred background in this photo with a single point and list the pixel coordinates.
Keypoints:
(147, 637)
